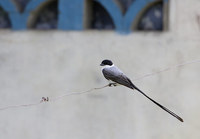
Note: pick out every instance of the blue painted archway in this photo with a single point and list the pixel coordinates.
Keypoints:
(71, 13)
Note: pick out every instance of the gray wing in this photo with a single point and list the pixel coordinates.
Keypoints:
(117, 77)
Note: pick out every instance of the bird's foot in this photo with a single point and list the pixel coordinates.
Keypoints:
(112, 84)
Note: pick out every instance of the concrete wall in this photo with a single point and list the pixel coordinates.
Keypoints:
(34, 64)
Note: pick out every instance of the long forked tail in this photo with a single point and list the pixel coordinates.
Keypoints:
(164, 108)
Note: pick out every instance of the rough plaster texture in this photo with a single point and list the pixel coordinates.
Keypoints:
(34, 64)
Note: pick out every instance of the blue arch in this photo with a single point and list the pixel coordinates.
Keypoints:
(114, 12)
(136, 7)
(124, 23)
(19, 20)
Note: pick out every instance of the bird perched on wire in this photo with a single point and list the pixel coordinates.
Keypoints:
(113, 73)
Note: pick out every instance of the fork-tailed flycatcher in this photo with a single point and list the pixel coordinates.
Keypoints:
(111, 72)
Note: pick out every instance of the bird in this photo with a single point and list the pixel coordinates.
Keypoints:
(117, 77)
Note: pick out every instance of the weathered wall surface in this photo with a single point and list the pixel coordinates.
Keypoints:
(34, 64)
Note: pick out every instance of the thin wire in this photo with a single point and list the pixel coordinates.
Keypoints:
(22, 105)
(46, 99)
(77, 93)
(90, 90)
(167, 69)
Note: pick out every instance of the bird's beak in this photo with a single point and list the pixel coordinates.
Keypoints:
(101, 64)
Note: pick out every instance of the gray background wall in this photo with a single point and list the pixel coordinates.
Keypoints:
(34, 64)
